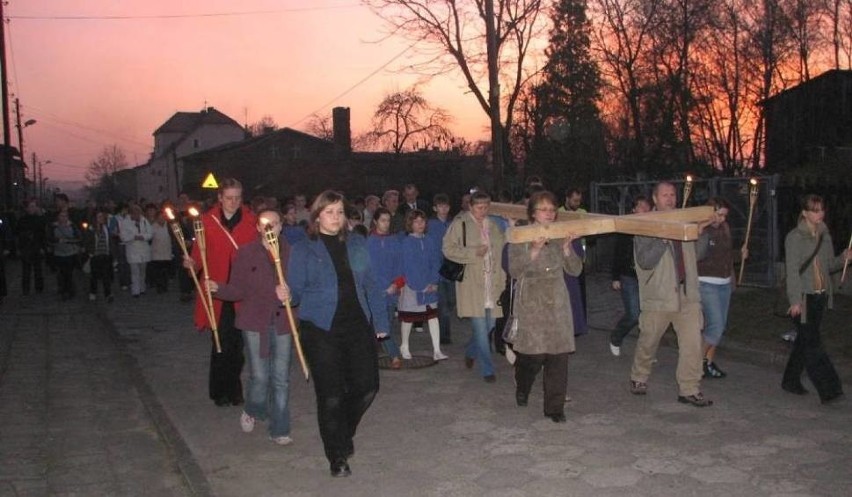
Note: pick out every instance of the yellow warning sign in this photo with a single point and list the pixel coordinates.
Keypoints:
(210, 182)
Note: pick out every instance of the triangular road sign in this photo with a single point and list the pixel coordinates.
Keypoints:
(210, 182)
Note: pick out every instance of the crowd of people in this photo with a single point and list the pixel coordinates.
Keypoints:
(357, 270)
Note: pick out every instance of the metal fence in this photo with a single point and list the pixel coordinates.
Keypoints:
(760, 270)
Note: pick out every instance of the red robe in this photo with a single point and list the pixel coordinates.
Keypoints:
(220, 254)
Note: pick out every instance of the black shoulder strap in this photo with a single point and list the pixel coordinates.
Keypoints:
(464, 234)
(810, 258)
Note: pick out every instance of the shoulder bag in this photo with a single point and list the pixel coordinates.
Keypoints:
(450, 269)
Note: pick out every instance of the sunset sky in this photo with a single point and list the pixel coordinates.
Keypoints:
(91, 81)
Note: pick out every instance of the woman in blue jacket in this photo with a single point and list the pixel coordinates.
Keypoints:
(341, 314)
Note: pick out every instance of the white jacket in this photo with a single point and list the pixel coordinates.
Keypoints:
(161, 243)
(138, 251)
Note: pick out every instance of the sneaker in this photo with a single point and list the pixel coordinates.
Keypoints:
(713, 371)
(614, 349)
(92, 297)
(697, 400)
(285, 440)
(246, 422)
(418, 329)
(789, 336)
(638, 387)
(403, 350)
(439, 356)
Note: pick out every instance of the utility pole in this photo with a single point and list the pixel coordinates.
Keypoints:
(494, 95)
(4, 103)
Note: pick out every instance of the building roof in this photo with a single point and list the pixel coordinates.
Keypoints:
(184, 122)
(256, 140)
(832, 74)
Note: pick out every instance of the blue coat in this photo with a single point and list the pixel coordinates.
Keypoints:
(421, 259)
(385, 256)
(313, 283)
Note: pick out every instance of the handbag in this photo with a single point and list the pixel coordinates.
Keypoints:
(450, 269)
(510, 328)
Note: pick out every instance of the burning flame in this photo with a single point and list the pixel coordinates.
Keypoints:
(85, 226)
(169, 213)
(193, 212)
(753, 182)
(689, 178)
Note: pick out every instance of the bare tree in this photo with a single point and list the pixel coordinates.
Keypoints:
(453, 35)
(321, 126)
(100, 176)
(406, 118)
(266, 125)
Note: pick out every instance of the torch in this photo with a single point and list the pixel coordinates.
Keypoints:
(752, 201)
(178, 234)
(201, 240)
(274, 250)
(687, 189)
(846, 263)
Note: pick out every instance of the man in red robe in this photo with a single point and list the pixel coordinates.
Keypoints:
(228, 225)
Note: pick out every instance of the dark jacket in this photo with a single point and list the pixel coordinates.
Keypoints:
(252, 283)
(622, 257)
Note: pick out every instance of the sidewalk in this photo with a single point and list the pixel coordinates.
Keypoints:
(438, 430)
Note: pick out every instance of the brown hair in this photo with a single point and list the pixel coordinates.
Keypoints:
(539, 197)
(229, 183)
(411, 216)
(322, 201)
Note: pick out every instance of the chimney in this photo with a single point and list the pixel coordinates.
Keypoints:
(342, 132)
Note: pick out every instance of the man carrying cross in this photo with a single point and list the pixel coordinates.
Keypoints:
(668, 294)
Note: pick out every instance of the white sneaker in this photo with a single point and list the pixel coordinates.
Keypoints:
(246, 422)
(440, 356)
(93, 297)
(403, 350)
(789, 336)
(285, 440)
(614, 349)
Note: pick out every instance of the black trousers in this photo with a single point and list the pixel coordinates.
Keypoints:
(100, 267)
(159, 275)
(555, 378)
(345, 372)
(808, 353)
(31, 266)
(225, 367)
(65, 277)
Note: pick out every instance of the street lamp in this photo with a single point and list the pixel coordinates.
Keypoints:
(29, 122)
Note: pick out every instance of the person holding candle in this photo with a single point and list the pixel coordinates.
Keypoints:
(342, 312)
(228, 225)
(809, 262)
(265, 329)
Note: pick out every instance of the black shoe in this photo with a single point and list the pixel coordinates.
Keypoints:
(557, 418)
(713, 371)
(340, 468)
(468, 362)
(236, 401)
(521, 399)
(794, 389)
(697, 400)
(831, 398)
(222, 401)
(490, 378)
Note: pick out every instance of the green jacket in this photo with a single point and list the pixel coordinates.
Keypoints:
(655, 269)
(798, 247)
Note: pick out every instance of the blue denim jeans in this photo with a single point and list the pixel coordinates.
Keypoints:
(715, 301)
(478, 347)
(269, 381)
(630, 299)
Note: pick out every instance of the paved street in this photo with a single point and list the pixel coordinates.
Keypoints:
(100, 399)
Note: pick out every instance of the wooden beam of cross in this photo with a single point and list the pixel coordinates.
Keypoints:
(677, 224)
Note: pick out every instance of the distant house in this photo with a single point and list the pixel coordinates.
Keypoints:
(811, 123)
(183, 134)
(286, 161)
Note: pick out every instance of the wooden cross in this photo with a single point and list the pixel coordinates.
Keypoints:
(677, 224)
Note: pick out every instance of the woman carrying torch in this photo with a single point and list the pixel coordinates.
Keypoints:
(342, 311)
(265, 329)
(226, 227)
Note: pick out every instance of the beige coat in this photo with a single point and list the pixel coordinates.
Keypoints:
(470, 293)
(542, 304)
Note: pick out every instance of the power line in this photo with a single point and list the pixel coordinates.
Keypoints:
(181, 16)
(65, 122)
(356, 85)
